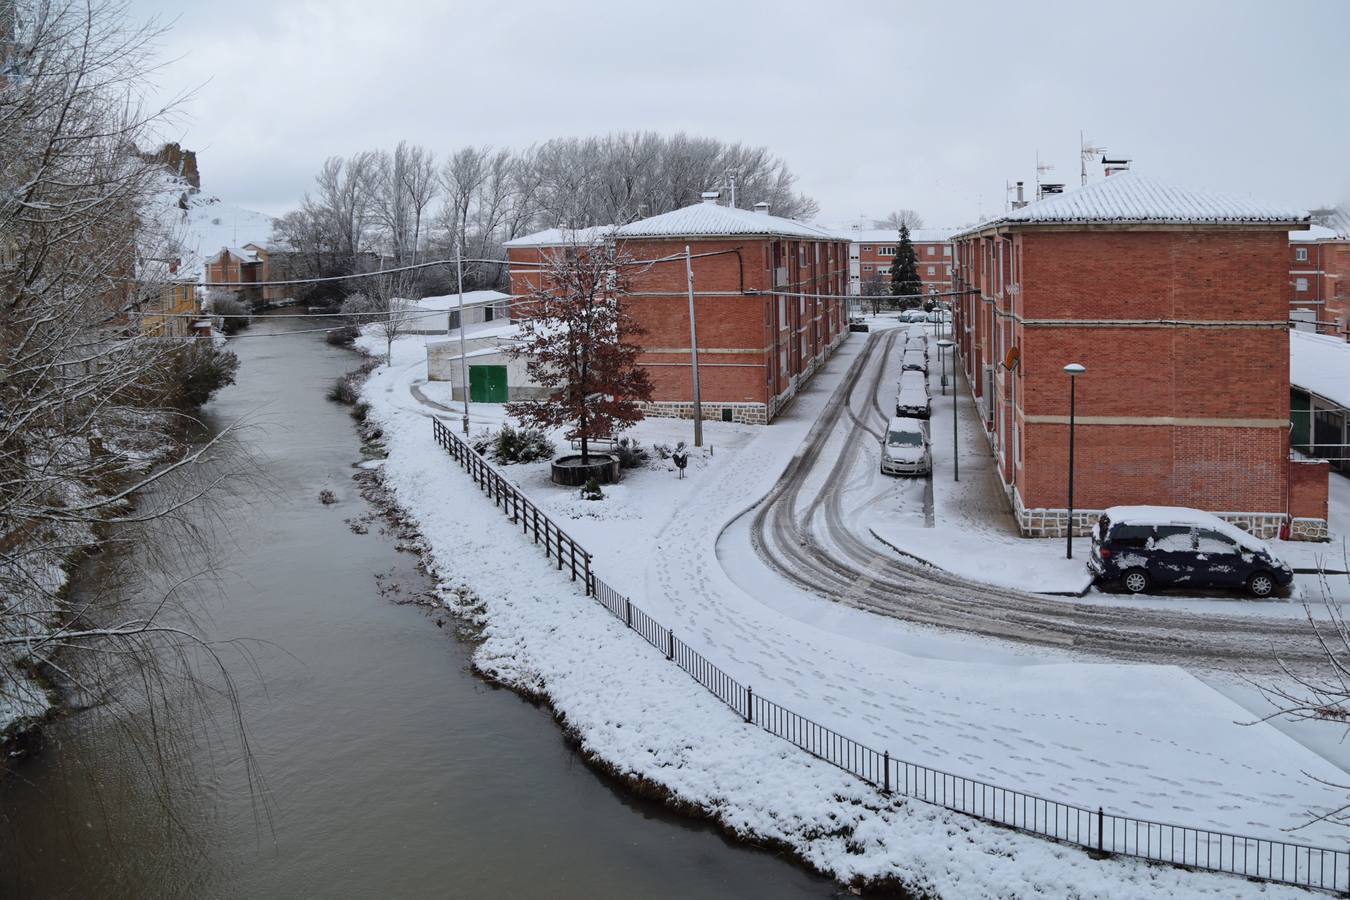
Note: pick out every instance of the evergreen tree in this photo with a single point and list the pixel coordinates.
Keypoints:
(905, 272)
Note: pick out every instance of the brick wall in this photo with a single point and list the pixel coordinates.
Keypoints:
(754, 349)
(1186, 397)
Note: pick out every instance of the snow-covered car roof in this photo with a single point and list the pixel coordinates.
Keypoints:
(1184, 516)
(907, 423)
(913, 389)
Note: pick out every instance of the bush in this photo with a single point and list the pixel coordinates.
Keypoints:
(343, 336)
(665, 451)
(483, 441)
(344, 391)
(200, 369)
(360, 411)
(230, 307)
(523, 445)
(631, 454)
(591, 490)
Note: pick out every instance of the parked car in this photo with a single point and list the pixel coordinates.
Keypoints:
(914, 360)
(911, 397)
(939, 315)
(857, 325)
(905, 449)
(913, 315)
(1168, 546)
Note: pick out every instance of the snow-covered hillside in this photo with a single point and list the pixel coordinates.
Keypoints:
(207, 223)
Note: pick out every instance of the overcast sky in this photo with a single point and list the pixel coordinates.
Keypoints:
(875, 106)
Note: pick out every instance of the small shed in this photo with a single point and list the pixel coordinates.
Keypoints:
(440, 315)
(1319, 386)
(494, 374)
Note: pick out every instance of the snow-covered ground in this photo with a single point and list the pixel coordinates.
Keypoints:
(1144, 740)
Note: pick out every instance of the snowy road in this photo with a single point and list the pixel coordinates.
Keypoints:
(807, 531)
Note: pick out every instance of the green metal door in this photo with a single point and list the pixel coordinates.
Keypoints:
(487, 384)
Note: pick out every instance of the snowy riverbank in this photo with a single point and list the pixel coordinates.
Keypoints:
(645, 720)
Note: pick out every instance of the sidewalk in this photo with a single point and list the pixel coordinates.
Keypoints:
(973, 533)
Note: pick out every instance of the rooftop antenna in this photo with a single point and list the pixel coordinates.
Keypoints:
(1087, 151)
(1041, 169)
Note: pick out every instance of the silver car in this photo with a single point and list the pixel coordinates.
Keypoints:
(904, 448)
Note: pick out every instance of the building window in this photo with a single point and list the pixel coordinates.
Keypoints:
(883, 270)
(885, 251)
(932, 251)
(867, 247)
(947, 251)
(949, 271)
(932, 270)
(1300, 284)
(867, 268)
(1301, 254)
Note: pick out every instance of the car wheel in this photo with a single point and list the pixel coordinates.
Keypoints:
(1135, 581)
(1261, 585)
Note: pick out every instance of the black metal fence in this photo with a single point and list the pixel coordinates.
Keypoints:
(1092, 829)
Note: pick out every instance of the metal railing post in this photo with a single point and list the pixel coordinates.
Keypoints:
(749, 704)
(628, 612)
(1100, 819)
(886, 770)
(670, 645)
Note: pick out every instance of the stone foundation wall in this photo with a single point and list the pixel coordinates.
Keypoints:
(745, 413)
(1309, 530)
(1266, 526)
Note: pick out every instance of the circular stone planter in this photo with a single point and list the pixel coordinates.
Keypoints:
(570, 470)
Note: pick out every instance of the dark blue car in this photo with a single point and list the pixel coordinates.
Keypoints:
(1142, 547)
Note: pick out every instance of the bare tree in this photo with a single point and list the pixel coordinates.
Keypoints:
(90, 400)
(386, 309)
(405, 187)
(876, 289)
(901, 217)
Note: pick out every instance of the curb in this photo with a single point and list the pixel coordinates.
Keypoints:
(932, 565)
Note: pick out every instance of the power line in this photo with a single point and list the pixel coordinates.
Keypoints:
(437, 262)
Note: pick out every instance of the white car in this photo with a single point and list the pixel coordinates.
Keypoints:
(914, 360)
(911, 397)
(905, 449)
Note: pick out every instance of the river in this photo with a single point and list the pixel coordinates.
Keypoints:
(387, 768)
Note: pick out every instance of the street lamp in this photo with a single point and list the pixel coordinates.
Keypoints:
(1073, 370)
(944, 345)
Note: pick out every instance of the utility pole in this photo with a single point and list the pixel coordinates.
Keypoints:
(693, 350)
(463, 358)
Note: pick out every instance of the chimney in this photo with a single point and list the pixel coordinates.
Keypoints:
(1020, 200)
(762, 207)
(1115, 165)
(711, 197)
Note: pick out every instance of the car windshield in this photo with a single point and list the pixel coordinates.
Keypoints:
(904, 439)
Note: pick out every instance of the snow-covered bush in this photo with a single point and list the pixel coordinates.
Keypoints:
(232, 313)
(523, 445)
(344, 390)
(591, 490)
(631, 454)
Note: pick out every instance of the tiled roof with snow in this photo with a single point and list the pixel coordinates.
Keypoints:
(238, 253)
(562, 237)
(1129, 198)
(714, 220)
(891, 235)
(1335, 227)
(1320, 364)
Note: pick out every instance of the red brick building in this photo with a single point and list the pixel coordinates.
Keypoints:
(1175, 301)
(1319, 276)
(872, 251)
(766, 304)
